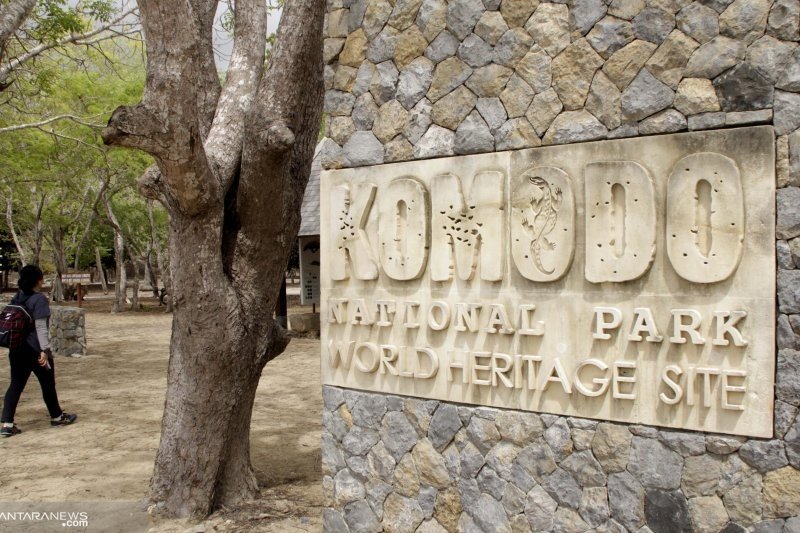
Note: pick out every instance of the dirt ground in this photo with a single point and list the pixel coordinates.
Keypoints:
(117, 390)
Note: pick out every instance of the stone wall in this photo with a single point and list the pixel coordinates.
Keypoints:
(68, 331)
(425, 78)
(416, 79)
(406, 464)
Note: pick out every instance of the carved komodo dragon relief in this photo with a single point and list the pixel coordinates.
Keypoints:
(539, 218)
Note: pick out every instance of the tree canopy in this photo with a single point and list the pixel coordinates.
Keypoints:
(52, 173)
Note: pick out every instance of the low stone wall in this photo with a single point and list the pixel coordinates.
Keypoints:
(68, 331)
(305, 323)
(405, 464)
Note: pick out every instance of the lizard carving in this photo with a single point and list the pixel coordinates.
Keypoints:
(539, 218)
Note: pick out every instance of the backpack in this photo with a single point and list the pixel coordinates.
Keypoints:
(15, 323)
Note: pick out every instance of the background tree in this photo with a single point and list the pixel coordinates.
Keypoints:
(138, 230)
(51, 174)
(232, 165)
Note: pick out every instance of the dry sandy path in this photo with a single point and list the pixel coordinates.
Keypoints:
(118, 393)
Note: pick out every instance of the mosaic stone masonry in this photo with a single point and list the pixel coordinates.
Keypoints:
(401, 464)
(414, 79)
(68, 331)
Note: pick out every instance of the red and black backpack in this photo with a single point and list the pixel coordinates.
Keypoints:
(15, 323)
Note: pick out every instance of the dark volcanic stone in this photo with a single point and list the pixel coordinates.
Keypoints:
(666, 511)
(743, 88)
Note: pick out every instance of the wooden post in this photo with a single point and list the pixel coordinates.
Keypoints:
(281, 307)
(80, 294)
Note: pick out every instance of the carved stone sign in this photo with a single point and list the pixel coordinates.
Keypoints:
(629, 280)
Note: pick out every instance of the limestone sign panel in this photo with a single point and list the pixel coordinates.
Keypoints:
(629, 280)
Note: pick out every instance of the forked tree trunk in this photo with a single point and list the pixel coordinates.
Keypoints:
(232, 165)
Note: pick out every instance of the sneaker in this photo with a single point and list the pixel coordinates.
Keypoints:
(64, 420)
(9, 432)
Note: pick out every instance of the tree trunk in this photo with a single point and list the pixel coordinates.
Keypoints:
(13, 231)
(232, 166)
(121, 278)
(60, 261)
(85, 235)
(38, 228)
(150, 273)
(213, 373)
(100, 271)
(167, 278)
(135, 297)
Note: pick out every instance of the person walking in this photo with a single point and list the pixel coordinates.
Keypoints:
(34, 355)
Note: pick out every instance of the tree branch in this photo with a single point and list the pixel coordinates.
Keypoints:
(110, 216)
(177, 110)
(40, 123)
(224, 143)
(278, 149)
(8, 67)
(136, 127)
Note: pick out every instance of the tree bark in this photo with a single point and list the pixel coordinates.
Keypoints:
(38, 227)
(135, 297)
(60, 261)
(100, 270)
(121, 279)
(151, 274)
(167, 278)
(13, 231)
(120, 276)
(12, 15)
(232, 165)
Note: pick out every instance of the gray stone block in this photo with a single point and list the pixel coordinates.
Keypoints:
(626, 500)
(563, 488)
(787, 386)
(655, 465)
(764, 456)
(363, 149)
(653, 24)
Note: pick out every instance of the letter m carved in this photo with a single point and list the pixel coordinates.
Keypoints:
(466, 231)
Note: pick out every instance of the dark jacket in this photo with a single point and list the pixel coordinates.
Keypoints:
(38, 307)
